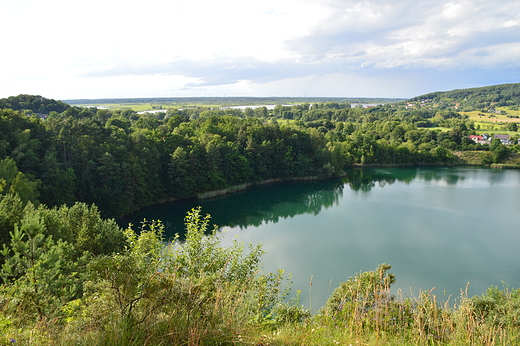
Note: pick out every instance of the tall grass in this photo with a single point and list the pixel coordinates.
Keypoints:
(363, 312)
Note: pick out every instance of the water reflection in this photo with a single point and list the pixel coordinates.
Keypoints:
(252, 207)
(365, 179)
(271, 203)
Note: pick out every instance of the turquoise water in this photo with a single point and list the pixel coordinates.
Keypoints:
(440, 228)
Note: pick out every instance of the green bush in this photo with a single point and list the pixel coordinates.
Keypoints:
(498, 307)
(182, 292)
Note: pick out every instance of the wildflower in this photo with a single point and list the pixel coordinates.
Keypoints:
(12, 340)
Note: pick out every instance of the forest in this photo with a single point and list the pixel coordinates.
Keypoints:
(67, 269)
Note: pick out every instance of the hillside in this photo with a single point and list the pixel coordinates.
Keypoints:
(483, 98)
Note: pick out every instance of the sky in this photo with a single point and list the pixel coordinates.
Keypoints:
(65, 49)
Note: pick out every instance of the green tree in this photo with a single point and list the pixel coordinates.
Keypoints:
(58, 184)
(40, 271)
(17, 183)
(180, 173)
(512, 126)
(498, 150)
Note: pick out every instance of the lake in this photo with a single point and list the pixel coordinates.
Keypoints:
(440, 228)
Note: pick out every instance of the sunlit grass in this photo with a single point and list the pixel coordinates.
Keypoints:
(493, 117)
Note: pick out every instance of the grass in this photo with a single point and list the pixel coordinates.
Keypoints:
(473, 157)
(484, 157)
(359, 312)
(489, 117)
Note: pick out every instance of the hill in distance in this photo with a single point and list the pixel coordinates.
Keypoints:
(482, 98)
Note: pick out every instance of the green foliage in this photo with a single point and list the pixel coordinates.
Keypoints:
(176, 293)
(82, 226)
(69, 275)
(498, 150)
(41, 273)
(16, 182)
(512, 127)
(33, 103)
(498, 307)
(201, 253)
(290, 313)
(362, 293)
(11, 212)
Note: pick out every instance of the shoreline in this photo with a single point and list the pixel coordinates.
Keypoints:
(233, 189)
(245, 186)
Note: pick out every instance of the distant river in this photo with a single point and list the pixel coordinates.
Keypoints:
(438, 227)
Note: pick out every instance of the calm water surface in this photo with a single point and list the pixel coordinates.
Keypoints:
(439, 228)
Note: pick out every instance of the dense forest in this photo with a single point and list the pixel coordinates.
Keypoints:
(68, 269)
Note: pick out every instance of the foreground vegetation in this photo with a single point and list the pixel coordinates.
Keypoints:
(56, 291)
(70, 276)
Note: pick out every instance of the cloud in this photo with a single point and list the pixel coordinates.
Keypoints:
(412, 33)
(224, 70)
(202, 45)
(357, 37)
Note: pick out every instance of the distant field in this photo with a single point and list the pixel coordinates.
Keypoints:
(485, 126)
(143, 104)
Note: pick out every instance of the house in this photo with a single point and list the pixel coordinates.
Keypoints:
(479, 139)
(476, 138)
(503, 138)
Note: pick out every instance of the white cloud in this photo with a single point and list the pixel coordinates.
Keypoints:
(414, 34)
(68, 47)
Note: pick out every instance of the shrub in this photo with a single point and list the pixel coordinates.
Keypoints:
(187, 292)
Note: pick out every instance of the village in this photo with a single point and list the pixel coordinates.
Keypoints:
(486, 139)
